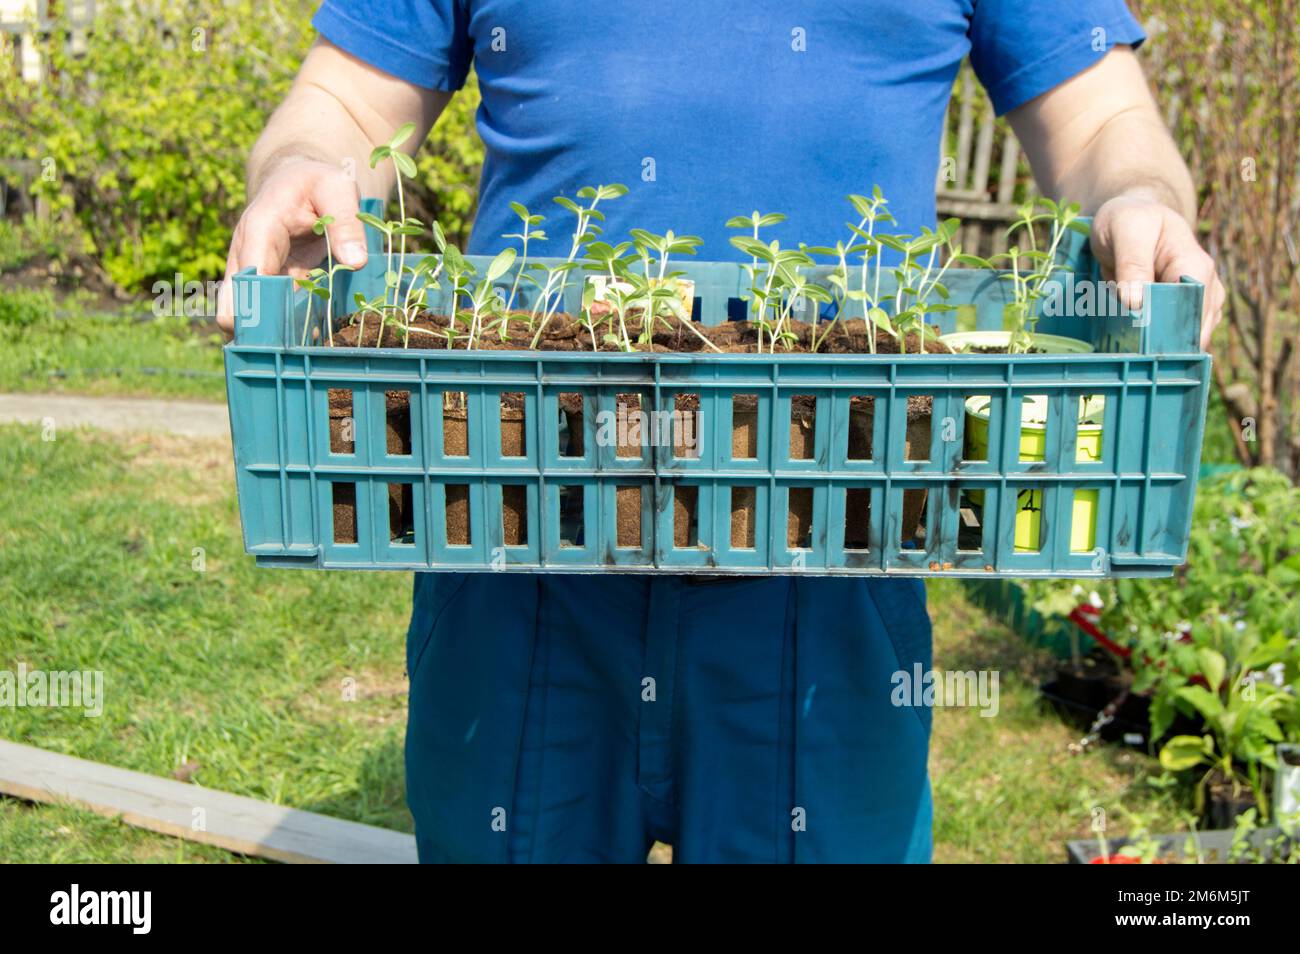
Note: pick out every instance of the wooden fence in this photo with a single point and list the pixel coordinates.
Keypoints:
(975, 145)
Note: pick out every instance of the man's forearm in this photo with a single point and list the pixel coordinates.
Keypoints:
(338, 110)
(312, 124)
(1132, 155)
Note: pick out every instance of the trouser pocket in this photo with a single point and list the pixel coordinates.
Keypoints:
(430, 596)
(902, 608)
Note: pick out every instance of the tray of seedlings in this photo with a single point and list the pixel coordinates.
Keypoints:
(888, 405)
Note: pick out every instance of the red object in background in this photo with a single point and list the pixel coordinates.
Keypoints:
(1121, 860)
(1084, 616)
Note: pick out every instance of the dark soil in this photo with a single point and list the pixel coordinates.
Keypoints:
(564, 333)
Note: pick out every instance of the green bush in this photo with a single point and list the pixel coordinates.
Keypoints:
(144, 136)
(22, 307)
(53, 239)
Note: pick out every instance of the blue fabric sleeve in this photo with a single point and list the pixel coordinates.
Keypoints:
(425, 42)
(1022, 48)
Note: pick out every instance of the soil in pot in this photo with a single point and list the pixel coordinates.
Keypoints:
(514, 443)
(1094, 682)
(671, 334)
(343, 431)
(1224, 804)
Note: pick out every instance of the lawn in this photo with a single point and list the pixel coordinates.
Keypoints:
(53, 344)
(235, 677)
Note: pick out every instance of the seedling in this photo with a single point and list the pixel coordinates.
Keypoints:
(312, 281)
(1027, 288)
(529, 220)
(779, 286)
(551, 297)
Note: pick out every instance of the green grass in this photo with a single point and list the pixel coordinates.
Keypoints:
(103, 352)
(1007, 789)
(238, 672)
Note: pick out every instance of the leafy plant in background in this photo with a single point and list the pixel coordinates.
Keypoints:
(144, 134)
(1241, 713)
(146, 131)
(24, 308)
(1221, 640)
(1225, 72)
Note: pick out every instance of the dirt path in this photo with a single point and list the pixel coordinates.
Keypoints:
(182, 418)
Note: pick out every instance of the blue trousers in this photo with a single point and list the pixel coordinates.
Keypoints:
(565, 718)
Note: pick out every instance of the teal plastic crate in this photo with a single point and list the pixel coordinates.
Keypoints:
(1148, 368)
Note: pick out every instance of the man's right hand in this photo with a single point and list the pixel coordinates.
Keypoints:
(275, 235)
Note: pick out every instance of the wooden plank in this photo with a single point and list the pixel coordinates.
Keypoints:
(974, 209)
(232, 822)
(965, 125)
(1006, 186)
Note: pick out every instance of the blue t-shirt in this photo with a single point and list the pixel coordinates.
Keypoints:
(709, 109)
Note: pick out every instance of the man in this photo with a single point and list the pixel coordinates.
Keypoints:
(581, 718)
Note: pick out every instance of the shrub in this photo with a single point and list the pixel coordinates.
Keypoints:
(23, 307)
(146, 133)
(1228, 72)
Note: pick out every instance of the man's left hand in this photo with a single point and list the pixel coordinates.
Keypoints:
(1138, 239)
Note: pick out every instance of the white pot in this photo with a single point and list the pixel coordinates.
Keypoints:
(1286, 790)
(1001, 340)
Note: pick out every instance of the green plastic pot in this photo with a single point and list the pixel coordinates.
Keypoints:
(1286, 789)
(1033, 447)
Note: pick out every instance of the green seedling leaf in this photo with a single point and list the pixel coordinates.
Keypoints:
(405, 164)
(880, 319)
(500, 265)
(374, 222)
(753, 247)
(402, 134)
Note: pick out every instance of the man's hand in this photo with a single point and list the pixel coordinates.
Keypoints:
(337, 111)
(1098, 139)
(275, 235)
(1138, 239)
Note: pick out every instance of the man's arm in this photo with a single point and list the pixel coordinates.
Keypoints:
(1098, 140)
(313, 159)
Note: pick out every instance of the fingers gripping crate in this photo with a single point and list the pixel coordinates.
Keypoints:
(721, 463)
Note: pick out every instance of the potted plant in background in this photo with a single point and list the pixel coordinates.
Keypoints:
(1214, 651)
(1286, 789)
